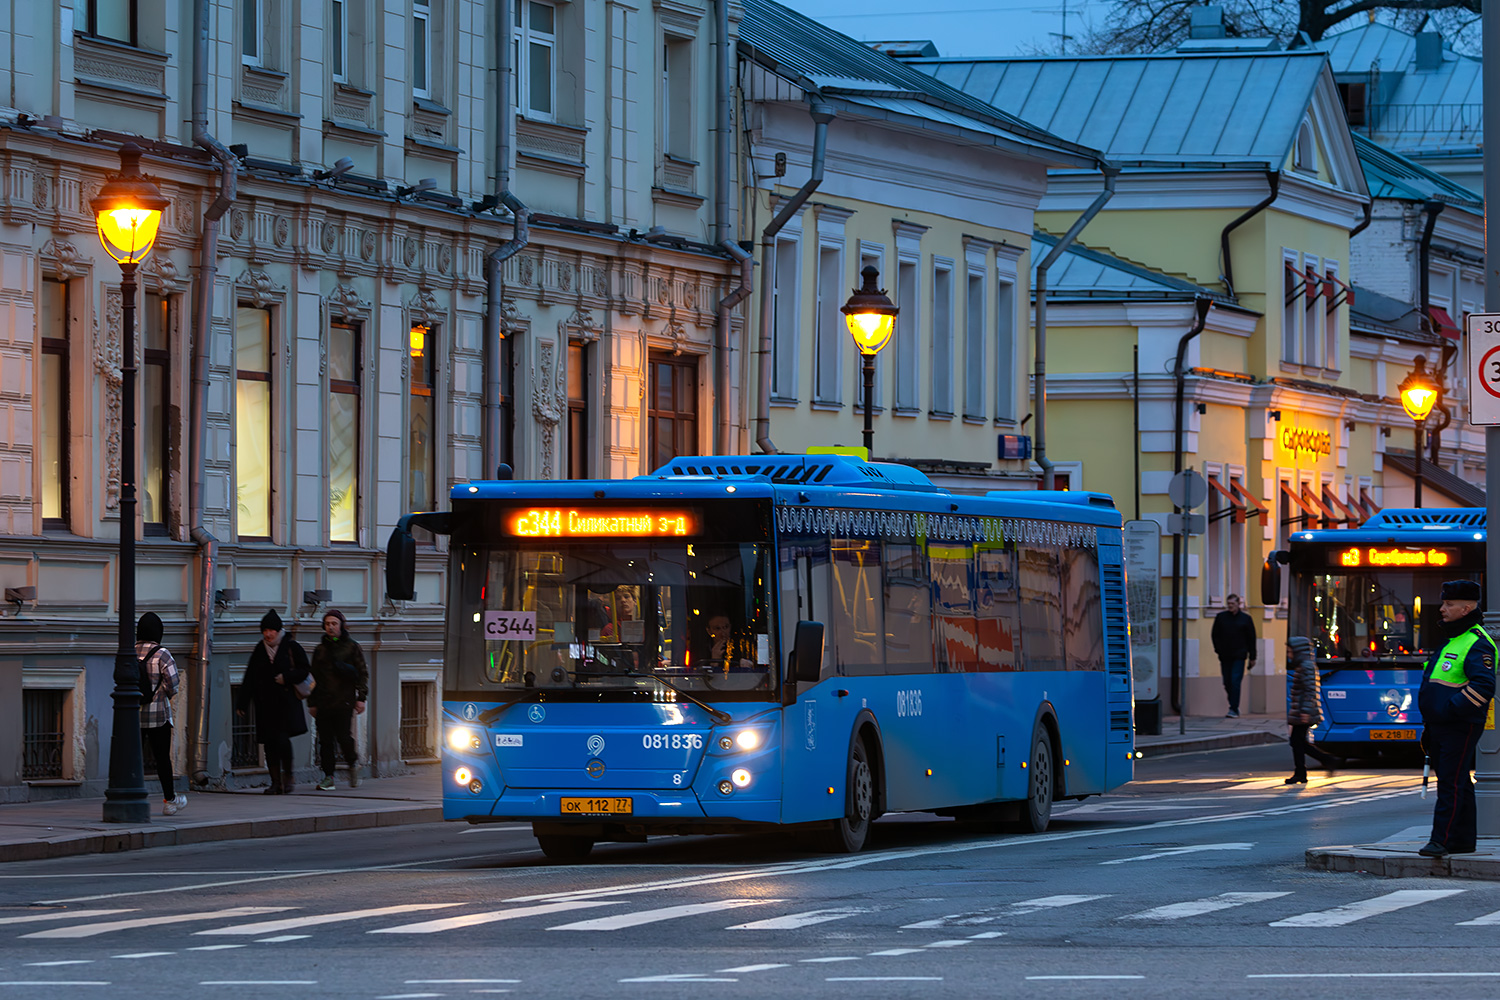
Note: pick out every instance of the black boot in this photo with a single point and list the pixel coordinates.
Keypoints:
(288, 785)
(1300, 778)
(274, 767)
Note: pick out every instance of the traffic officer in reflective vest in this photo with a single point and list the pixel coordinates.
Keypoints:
(1457, 686)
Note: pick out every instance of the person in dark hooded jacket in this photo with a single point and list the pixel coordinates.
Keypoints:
(277, 665)
(341, 686)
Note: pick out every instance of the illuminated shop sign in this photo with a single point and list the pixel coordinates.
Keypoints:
(1390, 558)
(1306, 441)
(553, 522)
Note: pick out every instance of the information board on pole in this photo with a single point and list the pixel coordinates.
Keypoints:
(1143, 600)
(1484, 368)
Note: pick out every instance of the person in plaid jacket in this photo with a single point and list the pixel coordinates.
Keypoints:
(156, 712)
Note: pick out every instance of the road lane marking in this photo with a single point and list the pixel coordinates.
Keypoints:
(956, 943)
(145, 954)
(1173, 852)
(66, 961)
(272, 926)
(1363, 908)
(36, 918)
(884, 979)
(987, 935)
(54, 982)
(1017, 909)
(1085, 977)
(755, 968)
(1369, 975)
(622, 920)
(108, 926)
(832, 958)
(896, 951)
(215, 947)
(259, 982)
(1485, 921)
(1197, 907)
(475, 919)
(278, 939)
(458, 982)
(409, 996)
(792, 921)
(678, 977)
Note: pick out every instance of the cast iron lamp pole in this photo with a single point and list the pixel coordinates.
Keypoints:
(128, 211)
(1419, 394)
(871, 317)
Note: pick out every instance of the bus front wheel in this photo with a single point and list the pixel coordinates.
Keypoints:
(564, 848)
(850, 832)
(1036, 813)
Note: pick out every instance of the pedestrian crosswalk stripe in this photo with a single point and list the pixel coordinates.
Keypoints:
(794, 920)
(1360, 909)
(107, 926)
(475, 919)
(1485, 921)
(622, 920)
(1198, 907)
(289, 923)
(1026, 906)
(36, 918)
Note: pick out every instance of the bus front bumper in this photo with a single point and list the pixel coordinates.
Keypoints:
(623, 806)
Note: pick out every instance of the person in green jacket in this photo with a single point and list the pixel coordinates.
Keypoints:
(340, 689)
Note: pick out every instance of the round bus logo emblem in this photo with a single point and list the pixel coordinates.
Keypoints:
(1393, 710)
(595, 768)
(537, 713)
(596, 745)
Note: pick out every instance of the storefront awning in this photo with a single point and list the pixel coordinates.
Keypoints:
(1443, 324)
(1351, 514)
(1252, 505)
(1308, 510)
(1311, 499)
(1367, 504)
(1236, 505)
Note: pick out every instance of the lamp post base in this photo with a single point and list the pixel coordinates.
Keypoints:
(125, 800)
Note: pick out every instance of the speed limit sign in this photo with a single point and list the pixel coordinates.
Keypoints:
(1484, 368)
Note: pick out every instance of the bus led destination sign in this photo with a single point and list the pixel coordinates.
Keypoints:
(1391, 558)
(553, 522)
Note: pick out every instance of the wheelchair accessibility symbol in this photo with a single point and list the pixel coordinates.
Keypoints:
(537, 713)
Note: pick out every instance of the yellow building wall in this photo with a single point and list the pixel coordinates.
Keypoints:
(1072, 350)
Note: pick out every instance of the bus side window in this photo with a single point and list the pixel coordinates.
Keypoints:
(1039, 585)
(803, 579)
(856, 607)
(908, 610)
(1083, 617)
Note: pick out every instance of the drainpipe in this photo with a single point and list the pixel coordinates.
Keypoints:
(723, 86)
(822, 114)
(520, 235)
(1202, 304)
(1365, 223)
(1110, 173)
(203, 311)
(722, 443)
(1274, 179)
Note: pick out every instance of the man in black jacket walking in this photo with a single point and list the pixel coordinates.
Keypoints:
(1234, 641)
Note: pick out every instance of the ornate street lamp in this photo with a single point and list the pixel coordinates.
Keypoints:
(871, 317)
(128, 211)
(1419, 393)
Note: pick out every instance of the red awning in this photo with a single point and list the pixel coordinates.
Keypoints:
(1236, 505)
(1442, 323)
(1252, 505)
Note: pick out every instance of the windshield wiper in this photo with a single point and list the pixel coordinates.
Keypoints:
(722, 718)
(491, 714)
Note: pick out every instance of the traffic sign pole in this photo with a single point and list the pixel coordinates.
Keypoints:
(1487, 766)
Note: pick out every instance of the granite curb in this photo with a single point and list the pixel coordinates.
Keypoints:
(1401, 860)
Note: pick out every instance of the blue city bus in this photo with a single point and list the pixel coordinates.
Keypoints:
(734, 644)
(1367, 598)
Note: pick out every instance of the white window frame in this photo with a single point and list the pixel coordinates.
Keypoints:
(254, 12)
(942, 337)
(526, 37)
(907, 381)
(829, 330)
(976, 322)
(421, 13)
(1291, 312)
(338, 11)
(786, 313)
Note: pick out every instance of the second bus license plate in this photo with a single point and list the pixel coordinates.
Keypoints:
(1393, 734)
(615, 806)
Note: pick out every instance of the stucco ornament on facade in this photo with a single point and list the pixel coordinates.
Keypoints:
(159, 274)
(344, 301)
(549, 401)
(108, 354)
(423, 309)
(581, 325)
(256, 285)
(63, 259)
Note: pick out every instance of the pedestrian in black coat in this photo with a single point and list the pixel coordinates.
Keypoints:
(277, 665)
(1233, 636)
(341, 686)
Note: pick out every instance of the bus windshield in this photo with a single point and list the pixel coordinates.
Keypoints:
(1381, 615)
(612, 617)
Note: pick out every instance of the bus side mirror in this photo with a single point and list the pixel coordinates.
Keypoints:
(401, 566)
(807, 653)
(1270, 577)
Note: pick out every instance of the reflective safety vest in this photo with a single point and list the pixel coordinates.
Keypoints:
(1449, 669)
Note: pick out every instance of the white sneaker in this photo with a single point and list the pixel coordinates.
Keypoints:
(173, 806)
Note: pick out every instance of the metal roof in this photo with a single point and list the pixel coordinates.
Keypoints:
(1410, 110)
(1391, 175)
(1210, 108)
(823, 60)
(1085, 274)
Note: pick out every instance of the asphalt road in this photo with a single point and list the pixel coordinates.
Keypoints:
(1189, 883)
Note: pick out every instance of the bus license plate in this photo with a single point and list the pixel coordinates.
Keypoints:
(1393, 734)
(597, 807)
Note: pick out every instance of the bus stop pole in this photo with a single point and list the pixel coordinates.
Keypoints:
(1487, 766)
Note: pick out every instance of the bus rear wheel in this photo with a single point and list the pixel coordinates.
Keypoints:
(564, 848)
(1036, 812)
(850, 832)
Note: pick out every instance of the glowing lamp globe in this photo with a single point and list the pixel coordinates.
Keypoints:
(1418, 391)
(128, 210)
(870, 315)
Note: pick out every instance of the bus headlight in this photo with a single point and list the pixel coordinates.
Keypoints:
(748, 739)
(740, 777)
(462, 776)
(460, 738)
(476, 786)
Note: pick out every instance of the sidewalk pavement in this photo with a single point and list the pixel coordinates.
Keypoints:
(1203, 733)
(34, 830)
